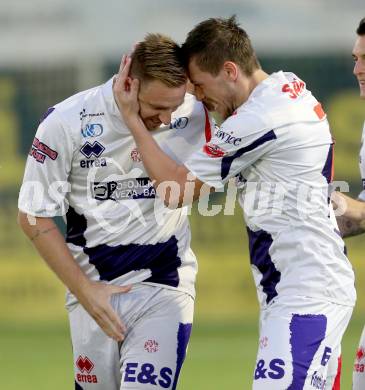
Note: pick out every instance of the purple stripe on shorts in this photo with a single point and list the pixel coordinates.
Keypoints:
(183, 336)
(307, 333)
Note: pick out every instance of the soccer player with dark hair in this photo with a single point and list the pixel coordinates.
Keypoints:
(352, 221)
(275, 140)
(84, 161)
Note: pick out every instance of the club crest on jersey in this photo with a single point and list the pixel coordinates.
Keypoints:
(85, 366)
(151, 346)
(135, 155)
(40, 151)
(92, 130)
(213, 150)
(179, 123)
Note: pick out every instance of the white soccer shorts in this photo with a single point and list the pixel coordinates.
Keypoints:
(358, 376)
(300, 344)
(158, 322)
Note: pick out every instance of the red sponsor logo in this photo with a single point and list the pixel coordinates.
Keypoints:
(84, 364)
(83, 378)
(135, 155)
(40, 151)
(151, 346)
(213, 150)
(295, 88)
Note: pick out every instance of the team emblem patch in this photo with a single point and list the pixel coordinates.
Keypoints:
(135, 155)
(151, 346)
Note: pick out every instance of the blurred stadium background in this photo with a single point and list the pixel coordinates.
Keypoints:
(52, 48)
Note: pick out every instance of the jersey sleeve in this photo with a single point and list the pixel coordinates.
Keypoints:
(45, 183)
(236, 145)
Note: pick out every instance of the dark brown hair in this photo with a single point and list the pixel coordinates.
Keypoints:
(361, 29)
(216, 40)
(158, 57)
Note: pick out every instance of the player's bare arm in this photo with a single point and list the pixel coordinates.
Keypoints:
(93, 296)
(351, 222)
(160, 167)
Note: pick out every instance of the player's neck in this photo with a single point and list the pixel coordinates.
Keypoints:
(247, 84)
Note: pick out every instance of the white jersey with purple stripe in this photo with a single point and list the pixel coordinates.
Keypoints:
(84, 161)
(279, 147)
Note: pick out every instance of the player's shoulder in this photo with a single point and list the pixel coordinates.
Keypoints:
(245, 121)
(70, 113)
(77, 105)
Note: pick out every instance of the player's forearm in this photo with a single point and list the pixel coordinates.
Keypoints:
(351, 215)
(349, 227)
(52, 247)
(160, 166)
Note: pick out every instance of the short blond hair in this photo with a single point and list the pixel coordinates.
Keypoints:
(158, 57)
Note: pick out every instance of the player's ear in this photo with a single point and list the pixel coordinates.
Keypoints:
(230, 70)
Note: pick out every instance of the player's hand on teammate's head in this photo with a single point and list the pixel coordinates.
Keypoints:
(125, 90)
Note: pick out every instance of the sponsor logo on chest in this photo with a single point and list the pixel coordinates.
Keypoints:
(90, 150)
(228, 138)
